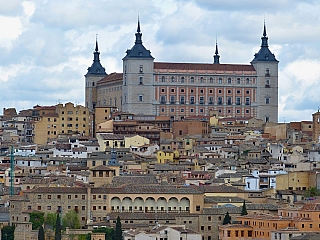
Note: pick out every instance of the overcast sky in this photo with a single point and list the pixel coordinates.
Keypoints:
(46, 46)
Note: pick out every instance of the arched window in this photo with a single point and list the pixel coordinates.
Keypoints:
(211, 80)
(247, 81)
(163, 79)
(220, 80)
(201, 80)
(238, 81)
(172, 79)
(192, 79)
(229, 80)
(182, 79)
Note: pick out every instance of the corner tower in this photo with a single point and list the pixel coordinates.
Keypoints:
(266, 65)
(95, 73)
(137, 90)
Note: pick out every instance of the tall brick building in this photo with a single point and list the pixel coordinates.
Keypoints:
(180, 90)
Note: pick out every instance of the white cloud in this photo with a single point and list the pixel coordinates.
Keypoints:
(46, 46)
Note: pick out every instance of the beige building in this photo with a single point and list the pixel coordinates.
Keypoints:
(180, 89)
(61, 119)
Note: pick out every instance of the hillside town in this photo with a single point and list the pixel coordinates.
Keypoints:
(165, 179)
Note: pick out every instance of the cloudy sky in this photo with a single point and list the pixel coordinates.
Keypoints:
(46, 46)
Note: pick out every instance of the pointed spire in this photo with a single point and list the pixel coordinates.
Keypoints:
(96, 67)
(97, 49)
(216, 57)
(138, 34)
(264, 53)
(264, 29)
(138, 28)
(264, 38)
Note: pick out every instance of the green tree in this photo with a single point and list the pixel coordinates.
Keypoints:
(50, 220)
(227, 219)
(57, 233)
(7, 233)
(37, 219)
(71, 220)
(312, 192)
(118, 232)
(244, 209)
(41, 233)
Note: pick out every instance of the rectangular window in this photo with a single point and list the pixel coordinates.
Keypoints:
(162, 99)
(238, 101)
(141, 68)
(229, 100)
(247, 101)
(219, 100)
(140, 80)
(201, 100)
(210, 100)
(267, 100)
(172, 99)
(140, 98)
(192, 100)
(182, 100)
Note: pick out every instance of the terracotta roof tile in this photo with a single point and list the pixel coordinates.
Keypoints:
(203, 67)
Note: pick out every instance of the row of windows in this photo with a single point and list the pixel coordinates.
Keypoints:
(211, 91)
(70, 119)
(219, 80)
(201, 100)
(201, 110)
(59, 196)
(71, 112)
(111, 89)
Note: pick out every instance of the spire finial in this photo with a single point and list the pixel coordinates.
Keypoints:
(264, 29)
(138, 28)
(216, 56)
(217, 52)
(97, 49)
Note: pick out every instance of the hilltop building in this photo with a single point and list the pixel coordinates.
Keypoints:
(181, 89)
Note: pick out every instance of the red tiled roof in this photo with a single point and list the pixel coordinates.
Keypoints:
(203, 66)
(111, 77)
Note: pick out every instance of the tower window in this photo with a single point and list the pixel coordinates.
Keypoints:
(140, 98)
(140, 80)
(141, 69)
(267, 100)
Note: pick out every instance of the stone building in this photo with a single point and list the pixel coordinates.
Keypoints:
(180, 89)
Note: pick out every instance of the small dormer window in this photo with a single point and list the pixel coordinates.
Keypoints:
(140, 53)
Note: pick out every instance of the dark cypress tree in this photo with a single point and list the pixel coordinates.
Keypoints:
(244, 209)
(227, 219)
(41, 233)
(57, 234)
(118, 232)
